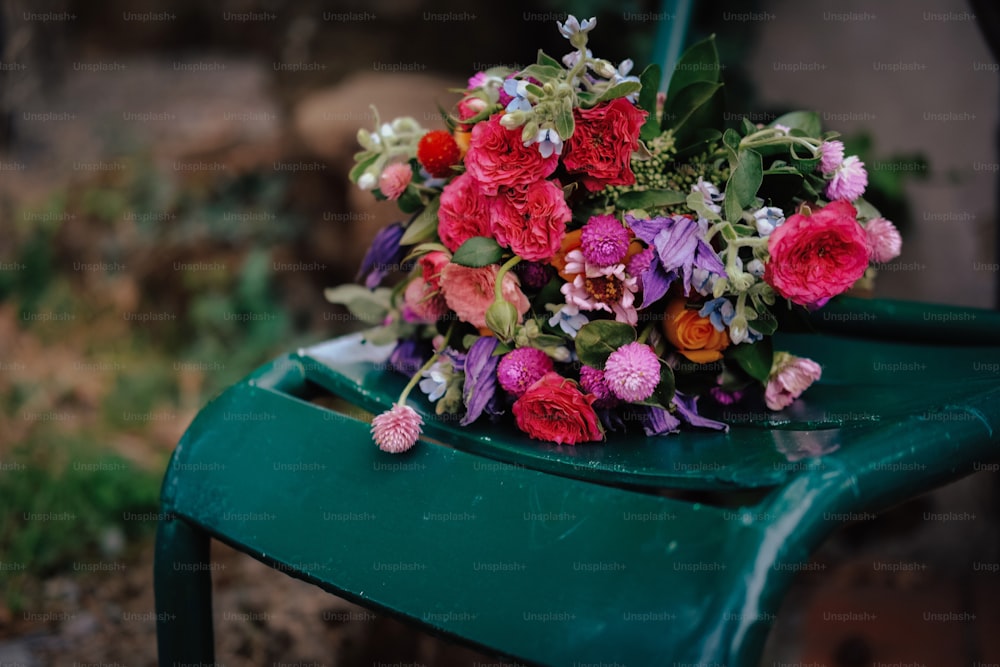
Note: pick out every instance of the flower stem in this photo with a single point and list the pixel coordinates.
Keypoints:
(427, 365)
(508, 265)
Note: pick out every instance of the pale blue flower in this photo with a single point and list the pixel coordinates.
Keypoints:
(756, 268)
(548, 141)
(719, 311)
(571, 59)
(621, 75)
(711, 195)
(518, 90)
(569, 319)
(435, 381)
(572, 26)
(767, 219)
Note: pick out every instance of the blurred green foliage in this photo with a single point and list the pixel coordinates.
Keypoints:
(228, 321)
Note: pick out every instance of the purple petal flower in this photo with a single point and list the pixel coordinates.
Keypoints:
(655, 282)
(687, 408)
(383, 256)
(657, 421)
(408, 356)
(480, 378)
(680, 248)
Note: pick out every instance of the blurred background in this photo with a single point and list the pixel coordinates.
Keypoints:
(174, 199)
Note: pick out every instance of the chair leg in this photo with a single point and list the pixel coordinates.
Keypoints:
(183, 589)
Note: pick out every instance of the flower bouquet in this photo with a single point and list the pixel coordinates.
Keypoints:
(586, 254)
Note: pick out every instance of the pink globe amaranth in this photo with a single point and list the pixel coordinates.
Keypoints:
(632, 372)
(531, 222)
(521, 368)
(602, 144)
(394, 180)
(397, 429)
(818, 256)
(464, 212)
(849, 180)
(884, 241)
(498, 158)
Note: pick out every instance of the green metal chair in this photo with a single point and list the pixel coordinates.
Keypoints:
(559, 555)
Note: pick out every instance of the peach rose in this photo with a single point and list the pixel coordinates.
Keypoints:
(693, 335)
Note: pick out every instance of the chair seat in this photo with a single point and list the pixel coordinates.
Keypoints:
(526, 549)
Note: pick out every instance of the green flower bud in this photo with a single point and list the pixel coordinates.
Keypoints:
(502, 319)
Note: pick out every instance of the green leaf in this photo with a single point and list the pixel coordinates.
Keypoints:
(368, 306)
(363, 163)
(806, 121)
(699, 64)
(765, 323)
(620, 90)
(565, 124)
(648, 199)
(665, 390)
(865, 209)
(744, 181)
(382, 335)
(731, 138)
(424, 226)
(410, 202)
(543, 73)
(478, 251)
(650, 80)
(547, 61)
(692, 108)
(748, 127)
(597, 340)
(754, 358)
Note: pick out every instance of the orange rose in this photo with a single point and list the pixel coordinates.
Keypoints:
(693, 335)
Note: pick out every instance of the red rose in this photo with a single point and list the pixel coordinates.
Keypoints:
(815, 257)
(431, 266)
(603, 142)
(464, 212)
(531, 222)
(497, 157)
(554, 409)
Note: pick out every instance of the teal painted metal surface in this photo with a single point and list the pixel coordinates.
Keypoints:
(524, 548)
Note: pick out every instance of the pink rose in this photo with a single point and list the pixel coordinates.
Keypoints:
(469, 291)
(497, 157)
(818, 256)
(464, 212)
(394, 180)
(421, 303)
(884, 241)
(554, 409)
(531, 222)
(469, 107)
(431, 265)
(603, 142)
(790, 376)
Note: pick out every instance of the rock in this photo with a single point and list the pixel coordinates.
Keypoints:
(327, 121)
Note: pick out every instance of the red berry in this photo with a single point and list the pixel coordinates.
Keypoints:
(437, 152)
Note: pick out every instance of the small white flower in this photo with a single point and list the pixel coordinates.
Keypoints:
(367, 181)
(756, 268)
(572, 26)
(767, 219)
